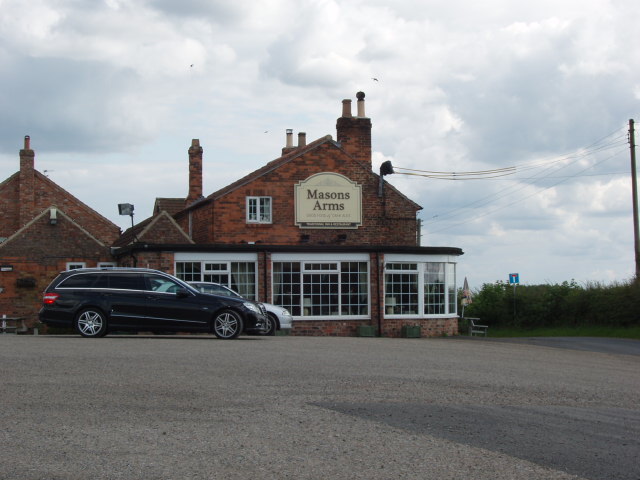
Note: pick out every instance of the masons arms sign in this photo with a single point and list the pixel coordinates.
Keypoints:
(328, 200)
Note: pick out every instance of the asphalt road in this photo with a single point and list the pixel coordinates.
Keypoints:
(314, 408)
(616, 346)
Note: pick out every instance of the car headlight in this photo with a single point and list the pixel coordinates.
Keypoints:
(251, 306)
(285, 312)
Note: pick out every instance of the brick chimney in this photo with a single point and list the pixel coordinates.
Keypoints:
(354, 133)
(27, 182)
(195, 172)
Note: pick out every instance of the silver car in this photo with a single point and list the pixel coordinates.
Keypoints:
(279, 318)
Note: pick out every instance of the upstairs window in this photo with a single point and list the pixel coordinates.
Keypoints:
(258, 209)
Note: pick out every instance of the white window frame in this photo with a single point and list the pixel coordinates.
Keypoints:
(308, 266)
(107, 264)
(449, 303)
(219, 258)
(261, 212)
(76, 265)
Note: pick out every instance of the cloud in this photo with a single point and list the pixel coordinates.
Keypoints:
(105, 87)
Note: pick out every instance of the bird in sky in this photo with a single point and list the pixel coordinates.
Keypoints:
(374, 79)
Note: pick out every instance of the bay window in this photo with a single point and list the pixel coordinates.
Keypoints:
(419, 288)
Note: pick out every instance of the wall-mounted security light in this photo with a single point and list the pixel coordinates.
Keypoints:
(6, 268)
(53, 216)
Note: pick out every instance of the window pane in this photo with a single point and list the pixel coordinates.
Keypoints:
(401, 293)
(75, 265)
(216, 267)
(189, 271)
(222, 278)
(286, 286)
(265, 209)
(434, 288)
(243, 279)
(320, 294)
(89, 280)
(158, 283)
(126, 282)
(322, 289)
(451, 288)
(259, 209)
(354, 285)
(252, 207)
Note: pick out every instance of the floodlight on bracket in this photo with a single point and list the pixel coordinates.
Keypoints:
(126, 209)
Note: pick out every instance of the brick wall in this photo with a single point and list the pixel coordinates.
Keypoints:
(390, 220)
(390, 328)
(162, 261)
(163, 230)
(9, 208)
(47, 193)
(39, 253)
(430, 327)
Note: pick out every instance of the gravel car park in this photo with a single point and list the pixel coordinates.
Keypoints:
(98, 301)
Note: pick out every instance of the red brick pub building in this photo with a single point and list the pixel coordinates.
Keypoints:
(315, 230)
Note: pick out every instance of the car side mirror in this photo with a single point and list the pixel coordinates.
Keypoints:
(182, 293)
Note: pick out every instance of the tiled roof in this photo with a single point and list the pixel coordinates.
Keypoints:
(169, 205)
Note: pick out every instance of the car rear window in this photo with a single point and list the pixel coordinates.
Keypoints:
(124, 281)
(81, 280)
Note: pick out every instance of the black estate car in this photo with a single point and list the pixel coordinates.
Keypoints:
(96, 301)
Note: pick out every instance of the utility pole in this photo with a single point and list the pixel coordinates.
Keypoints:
(634, 193)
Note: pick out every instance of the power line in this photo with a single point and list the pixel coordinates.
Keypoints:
(525, 197)
(608, 142)
(501, 172)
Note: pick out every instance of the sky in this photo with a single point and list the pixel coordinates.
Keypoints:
(537, 95)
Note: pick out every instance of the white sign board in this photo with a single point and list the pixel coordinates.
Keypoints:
(328, 200)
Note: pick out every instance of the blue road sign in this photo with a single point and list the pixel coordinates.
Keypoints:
(514, 278)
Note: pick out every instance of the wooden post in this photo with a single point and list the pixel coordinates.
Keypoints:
(634, 193)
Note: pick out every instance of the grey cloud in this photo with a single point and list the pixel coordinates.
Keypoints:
(288, 62)
(534, 106)
(217, 11)
(67, 105)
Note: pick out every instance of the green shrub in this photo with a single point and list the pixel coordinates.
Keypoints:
(559, 305)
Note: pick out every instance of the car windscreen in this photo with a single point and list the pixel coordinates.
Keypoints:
(216, 290)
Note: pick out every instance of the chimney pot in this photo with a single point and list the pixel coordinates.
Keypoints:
(360, 96)
(346, 107)
(302, 139)
(27, 142)
(289, 138)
